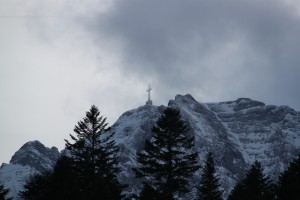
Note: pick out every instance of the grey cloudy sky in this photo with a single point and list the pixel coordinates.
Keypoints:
(57, 57)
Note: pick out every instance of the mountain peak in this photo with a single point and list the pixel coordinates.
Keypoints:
(246, 103)
(182, 99)
(36, 155)
(187, 96)
(33, 157)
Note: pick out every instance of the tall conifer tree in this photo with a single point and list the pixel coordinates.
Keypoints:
(88, 170)
(209, 188)
(94, 155)
(167, 162)
(289, 182)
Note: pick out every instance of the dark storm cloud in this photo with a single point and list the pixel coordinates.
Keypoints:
(228, 48)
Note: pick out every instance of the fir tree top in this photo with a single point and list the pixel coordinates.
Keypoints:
(255, 186)
(209, 188)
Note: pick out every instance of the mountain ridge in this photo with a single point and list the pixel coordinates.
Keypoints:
(236, 132)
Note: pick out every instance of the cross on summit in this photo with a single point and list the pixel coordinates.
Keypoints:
(149, 102)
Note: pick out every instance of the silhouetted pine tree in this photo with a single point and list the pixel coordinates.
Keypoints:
(289, 182)
(168, 161)
(4, 193)
(90, 172)
(256, 186)
(94, 155)
(209, 188)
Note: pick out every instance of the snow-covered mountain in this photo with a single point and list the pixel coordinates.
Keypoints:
(236, 132)
(33, 157)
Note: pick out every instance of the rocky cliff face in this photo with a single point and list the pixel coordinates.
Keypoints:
(269, 134)
(33, 157)
(34, 154)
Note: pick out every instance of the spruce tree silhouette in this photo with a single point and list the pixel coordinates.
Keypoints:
(209, 188)
(87, 169)
(255, 186)
(167, 162)
(94, 156)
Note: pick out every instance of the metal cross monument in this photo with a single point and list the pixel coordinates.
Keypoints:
(149, 102)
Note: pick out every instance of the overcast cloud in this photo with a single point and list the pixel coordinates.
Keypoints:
(215, 48)
(59, 57)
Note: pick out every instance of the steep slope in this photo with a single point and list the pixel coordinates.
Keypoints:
(269, 134)
(212, 135)
(236, 132)
(14, 176)
(131, 130)
(33, 157)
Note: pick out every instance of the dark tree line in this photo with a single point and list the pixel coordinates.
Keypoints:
(257, 186)
(88, 168)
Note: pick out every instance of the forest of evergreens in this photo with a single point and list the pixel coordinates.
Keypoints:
(88, 168)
